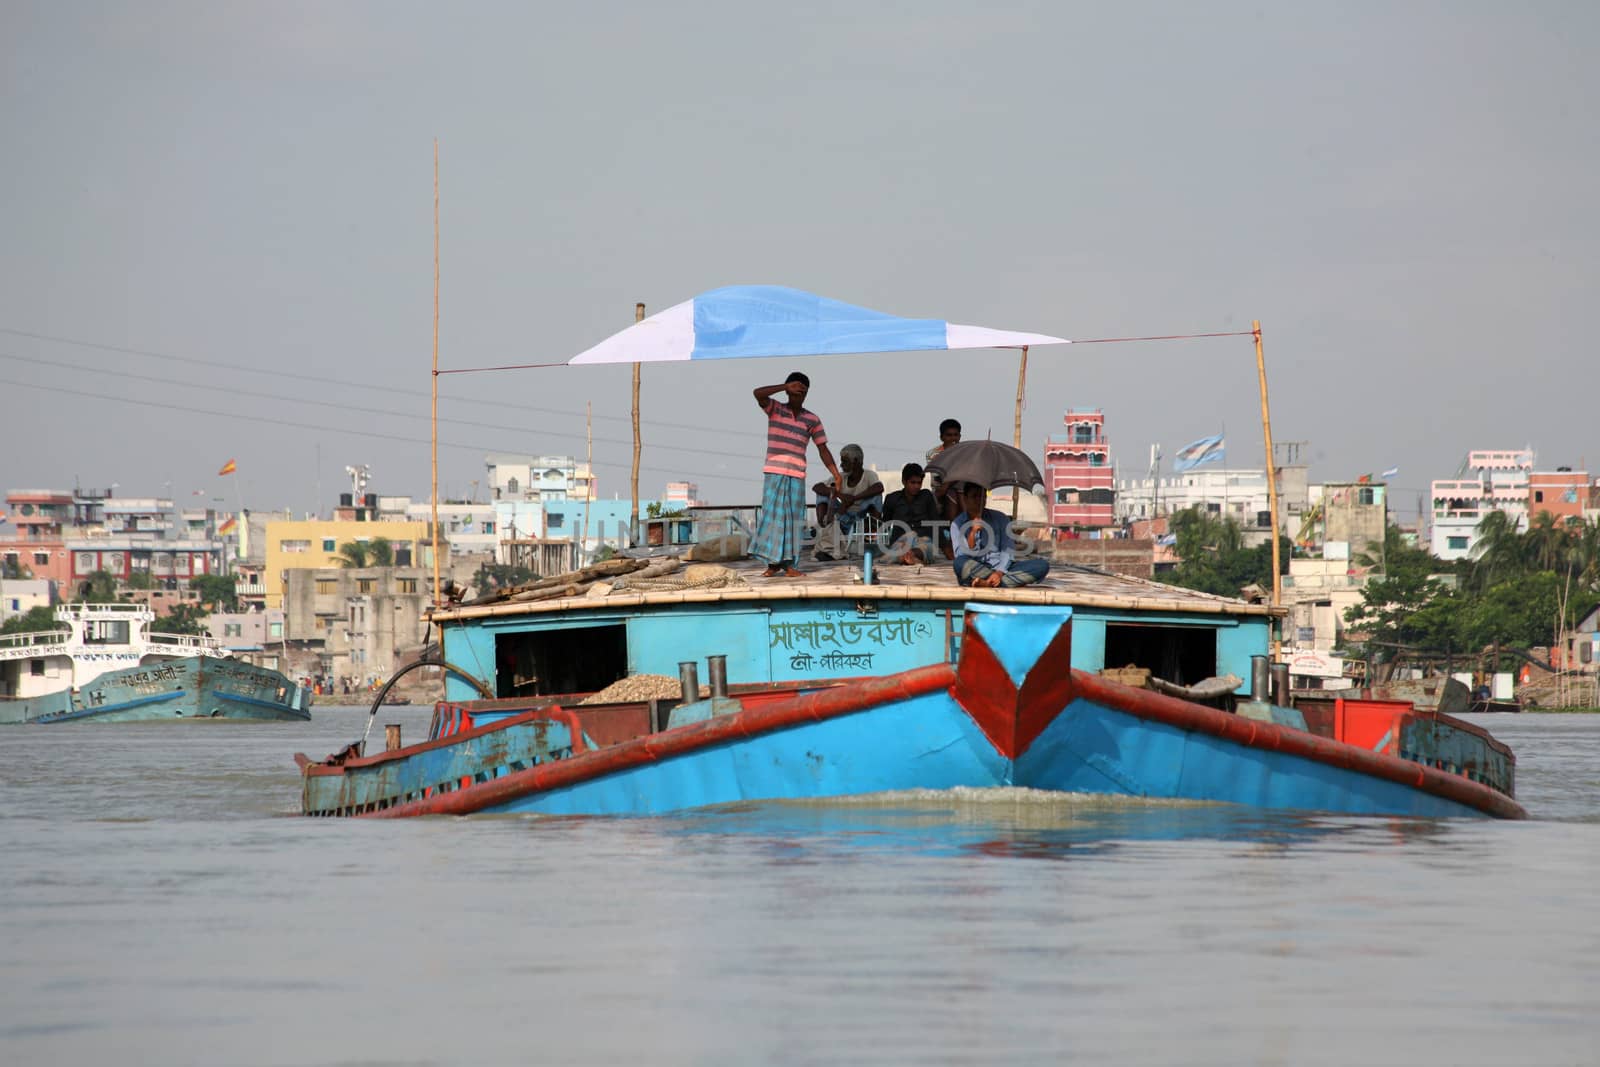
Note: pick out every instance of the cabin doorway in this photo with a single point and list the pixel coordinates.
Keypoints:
(1182, 655)
(580, 659)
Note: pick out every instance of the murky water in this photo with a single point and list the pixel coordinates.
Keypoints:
(160, 904)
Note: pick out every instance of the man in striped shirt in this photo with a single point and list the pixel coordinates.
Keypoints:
(783, 500)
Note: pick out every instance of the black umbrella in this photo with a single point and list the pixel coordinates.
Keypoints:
(986, 463)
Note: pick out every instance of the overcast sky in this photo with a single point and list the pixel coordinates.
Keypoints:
(1402, 193)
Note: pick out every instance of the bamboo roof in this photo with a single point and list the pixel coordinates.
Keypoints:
(1067, 584)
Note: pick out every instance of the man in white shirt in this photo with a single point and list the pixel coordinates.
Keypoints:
(842, 503)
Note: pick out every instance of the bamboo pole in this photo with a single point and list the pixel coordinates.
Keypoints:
(1016, 422)
(435, 410)
(1272, 487)
(1022, 381)
(588, 491)
(633, 512)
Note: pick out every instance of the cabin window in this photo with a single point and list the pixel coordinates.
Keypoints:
(106, 632)
(582, 659)
(36, 668)
(1183, 655)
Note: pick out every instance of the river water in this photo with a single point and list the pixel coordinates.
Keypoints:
(160, 903)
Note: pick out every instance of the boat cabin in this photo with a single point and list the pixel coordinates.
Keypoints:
(92, 640)
(829, 625)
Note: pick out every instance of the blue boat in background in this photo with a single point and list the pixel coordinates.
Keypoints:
(830, 686)
(105, 664)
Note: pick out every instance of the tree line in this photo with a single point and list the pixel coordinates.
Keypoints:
(1519, 589)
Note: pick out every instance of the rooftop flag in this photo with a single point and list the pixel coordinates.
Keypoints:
(228, 525)
(1199, 453)
(228, 467)
(746, 321)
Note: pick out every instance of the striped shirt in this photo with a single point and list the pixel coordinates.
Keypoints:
(786, 438)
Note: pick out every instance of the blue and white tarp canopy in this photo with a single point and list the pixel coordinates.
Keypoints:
(743, 321)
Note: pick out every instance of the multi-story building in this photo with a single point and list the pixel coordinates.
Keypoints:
(1354, 514)
(363, 617)
(18, 596)
(1241, 495)
(253, 636)
(1079, 480)
(65, 536)
(313, 544)
(1487, 481)
(680, 495)
(514, 477)
(1563, 492)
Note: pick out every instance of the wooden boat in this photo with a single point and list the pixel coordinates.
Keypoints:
(840, 687)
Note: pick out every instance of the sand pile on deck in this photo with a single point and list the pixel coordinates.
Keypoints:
(637, 688)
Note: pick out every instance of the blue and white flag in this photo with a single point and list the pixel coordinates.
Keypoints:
(1198, 453)
(1390, 473)
(742, 321)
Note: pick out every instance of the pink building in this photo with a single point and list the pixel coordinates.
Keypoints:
(1563, 492)
(1078, 476)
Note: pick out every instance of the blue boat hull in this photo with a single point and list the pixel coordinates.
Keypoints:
(1011, 713)
(203, 687)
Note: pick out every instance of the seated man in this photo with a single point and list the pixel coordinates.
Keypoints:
(840, 506)
(908, 517)
(983, 546)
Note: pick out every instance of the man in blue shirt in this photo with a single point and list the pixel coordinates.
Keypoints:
(984, 548)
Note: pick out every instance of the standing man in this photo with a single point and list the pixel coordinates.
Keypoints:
(783, 491)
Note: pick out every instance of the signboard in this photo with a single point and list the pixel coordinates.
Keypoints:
(1316, 664)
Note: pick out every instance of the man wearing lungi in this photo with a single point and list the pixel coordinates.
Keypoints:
(783, 499)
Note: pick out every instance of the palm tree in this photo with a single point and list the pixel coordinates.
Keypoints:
(381, 552)
(1547, 543)
(1498, 555)
(353, 555)
(1586, 554)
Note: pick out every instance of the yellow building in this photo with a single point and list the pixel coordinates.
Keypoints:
(299, 545)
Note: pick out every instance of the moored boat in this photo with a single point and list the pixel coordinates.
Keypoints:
(106, 665)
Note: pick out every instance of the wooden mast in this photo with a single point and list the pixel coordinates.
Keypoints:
(435, 415)
(1022, 381)
(633, 511)
(1272, 487)
(1016, 422)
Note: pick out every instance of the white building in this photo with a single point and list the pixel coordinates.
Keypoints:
(18, 596)
(514, 477)
(1487, 481)
(469, 528)
(1237, 494)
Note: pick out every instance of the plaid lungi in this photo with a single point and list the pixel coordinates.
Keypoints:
(783, 516)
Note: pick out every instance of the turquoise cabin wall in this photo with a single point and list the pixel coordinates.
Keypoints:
(831, 639)
(798, 640)
(658, 642)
